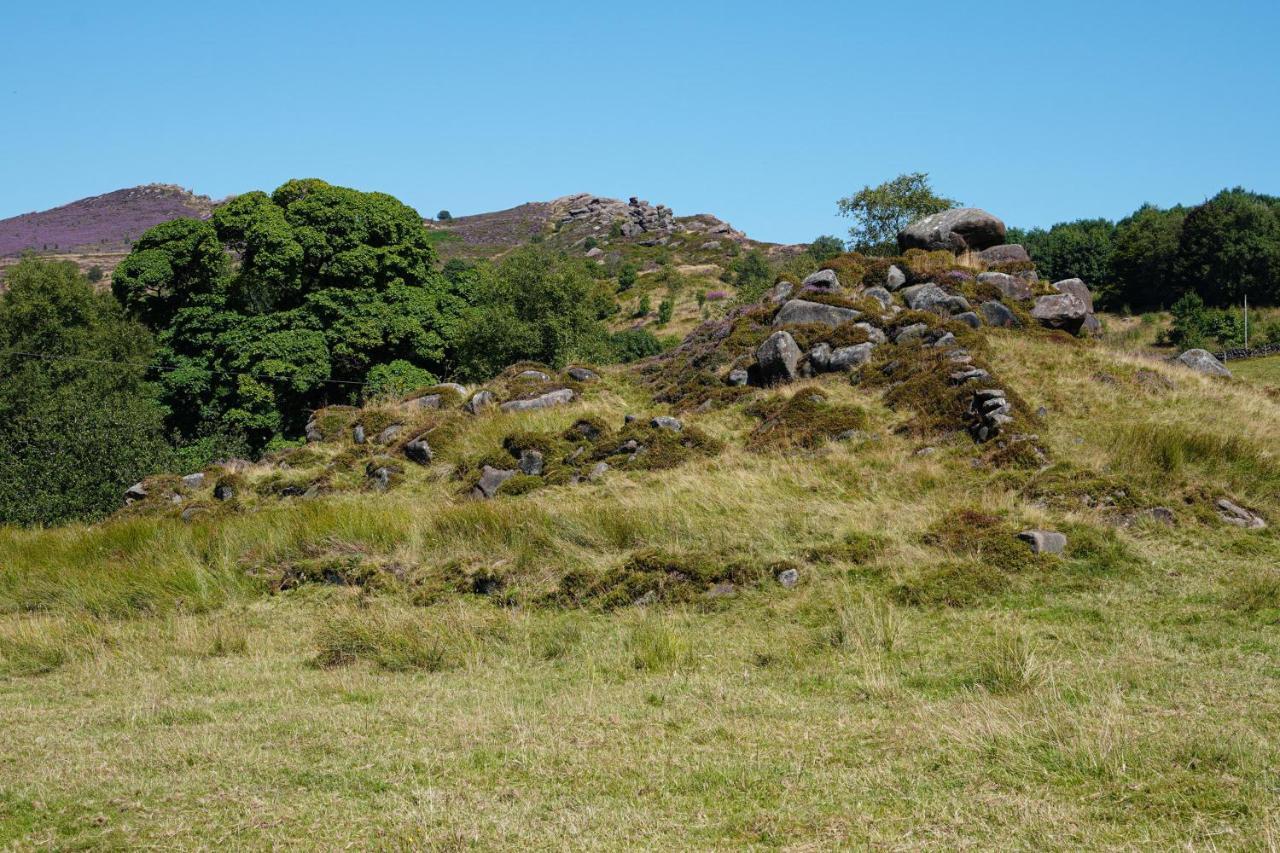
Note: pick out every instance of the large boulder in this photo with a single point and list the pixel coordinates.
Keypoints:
(998, 314)
(1077, 288)
(894, 278)
(958, 230)
(778, 359)
(558, 397)
(823, 280)
(1011, 286)
(1065, 311)
(1202, 361)
(799, 311)
(931, 297)
(1009, 253)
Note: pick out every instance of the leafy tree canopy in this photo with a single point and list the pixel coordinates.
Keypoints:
(880, 212)
(78, 421)
(330, 282)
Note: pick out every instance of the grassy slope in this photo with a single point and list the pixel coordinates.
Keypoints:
(1123, 696)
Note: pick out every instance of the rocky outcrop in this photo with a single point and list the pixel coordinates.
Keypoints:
(635, 217)
(1076, 288)
(823, 280)
(998, 314)
(824, 359)
(958, 230)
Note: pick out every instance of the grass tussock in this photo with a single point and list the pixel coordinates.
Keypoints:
(804, 420)
(393, 640)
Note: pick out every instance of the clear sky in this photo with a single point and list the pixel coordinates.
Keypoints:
(762, 113)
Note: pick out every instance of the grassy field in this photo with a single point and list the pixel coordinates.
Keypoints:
(926, 684)
(1263, 371)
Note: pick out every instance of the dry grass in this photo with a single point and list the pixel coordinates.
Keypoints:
(155, 694)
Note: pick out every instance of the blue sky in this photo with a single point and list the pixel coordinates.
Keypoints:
(763, 113)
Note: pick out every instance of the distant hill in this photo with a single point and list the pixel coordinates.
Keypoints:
(102, 223)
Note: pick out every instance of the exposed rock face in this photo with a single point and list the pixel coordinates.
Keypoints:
(1202, 361)
(958, 230)
(780, 292)
(778, 358)
(545, 401)
(1007, 254)
(635, 217)
(1012, 287)
(738, 376)
(193, 481)
(881, 295)
(931, 297)
(1065, 311)
(667, 422)
(799, 311)
(582, 374)
(1044, 541)
(533, 374)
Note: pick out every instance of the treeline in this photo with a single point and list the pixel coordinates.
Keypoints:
(1221, 250)
(220, 336)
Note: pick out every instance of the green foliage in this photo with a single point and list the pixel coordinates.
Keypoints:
(78, 421)
(752, 275)
(330, 282)
(534, 305)
(880, 212)
(825, 247)
(643, 307)
(396, 379)
(665, 309)
(1230, 247)
(626, 277)
(1198, 326)
(634, 344)
(95, 274)
(444, 216)
(1144, 252)
(1081, 249)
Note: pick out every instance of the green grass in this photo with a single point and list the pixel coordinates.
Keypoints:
(1262, 371)
(926, 684)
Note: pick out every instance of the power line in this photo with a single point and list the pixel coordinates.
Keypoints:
(170, 368)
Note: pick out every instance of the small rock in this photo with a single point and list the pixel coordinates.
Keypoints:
(381, 477)
(1044, 541)
(460, 390)
(357, 434)
(879, 294)
(598, 471)
(998, 314)
(532, 462)
(1011, 287)
(544, 401)
(419, 451)
(582, 374)
(136, 492)
(789, 578)
(192, 511)
(224, 491)
(630, 418)
(193, 481)
(874, 335)
(666, 422)
(479, 401)
(797, 312)
(389, 434)
(533, 374)
(780, 292)
(490, 480)
(427, 401)
(914, 332)
(738, 376)
(313, 431)
(1234, 514)
(931, 297)
(969, 318)
(894, 279)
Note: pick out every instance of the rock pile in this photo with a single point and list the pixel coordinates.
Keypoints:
(636, 217)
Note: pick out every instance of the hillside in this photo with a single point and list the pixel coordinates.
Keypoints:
(768, 589)
(100, 229)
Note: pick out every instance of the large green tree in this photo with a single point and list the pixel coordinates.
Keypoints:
(1079, 249)
(79, 423)
(534, 305)
(282, 302)
(880, 212)
(1144, 252)
(1229, 247)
